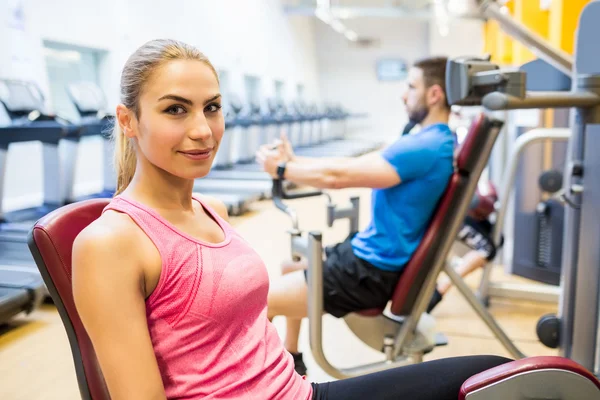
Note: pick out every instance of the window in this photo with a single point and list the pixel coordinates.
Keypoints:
(279, 90)
(68, 64)
(224, 82)
(252, 86)
(300, 91)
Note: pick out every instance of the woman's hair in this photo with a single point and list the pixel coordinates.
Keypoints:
(136, 72)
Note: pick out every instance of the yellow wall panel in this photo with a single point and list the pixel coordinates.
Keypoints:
(529, 13)
(563, 22)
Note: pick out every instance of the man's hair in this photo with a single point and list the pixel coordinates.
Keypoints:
(434, 72)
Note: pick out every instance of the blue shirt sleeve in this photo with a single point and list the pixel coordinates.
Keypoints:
(411, 156)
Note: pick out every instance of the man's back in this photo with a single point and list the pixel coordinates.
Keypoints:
(400, 214)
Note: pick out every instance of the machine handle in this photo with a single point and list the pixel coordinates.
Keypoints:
(280, 193)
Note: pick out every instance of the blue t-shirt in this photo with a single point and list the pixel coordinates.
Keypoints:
(400, 214)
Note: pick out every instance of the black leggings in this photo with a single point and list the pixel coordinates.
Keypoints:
(431, 380)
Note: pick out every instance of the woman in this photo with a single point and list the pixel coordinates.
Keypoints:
(173, 299)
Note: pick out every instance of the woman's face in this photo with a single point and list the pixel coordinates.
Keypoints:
(180, 123)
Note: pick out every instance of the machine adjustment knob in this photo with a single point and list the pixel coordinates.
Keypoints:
(548, 330)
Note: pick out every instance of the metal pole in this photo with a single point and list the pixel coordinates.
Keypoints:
(315, 304)
(522, 143)
(483, 313)
(502, 101)
(559, 59)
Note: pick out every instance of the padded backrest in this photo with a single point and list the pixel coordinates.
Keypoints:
(51, 242)
(441, 232)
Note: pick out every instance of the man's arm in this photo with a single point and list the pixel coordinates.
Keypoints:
(325, 160)
(369, 171)
(286, 151)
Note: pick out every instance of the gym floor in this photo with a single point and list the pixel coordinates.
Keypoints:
(35, 357)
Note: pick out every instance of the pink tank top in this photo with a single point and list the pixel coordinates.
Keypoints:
(208, 316)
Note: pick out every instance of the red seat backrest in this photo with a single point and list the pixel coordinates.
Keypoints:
(441, 232)
(51, 242)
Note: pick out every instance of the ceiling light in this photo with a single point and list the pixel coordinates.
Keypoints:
(351, 35)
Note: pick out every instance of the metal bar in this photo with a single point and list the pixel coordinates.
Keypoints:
(354, 220)
(315, 318)
(502, 101)
(508, 181)
(521, 144)
(299, 245)
(315, 302)
(558, 58)
(529, 292)
(483, 313)
(351, 212)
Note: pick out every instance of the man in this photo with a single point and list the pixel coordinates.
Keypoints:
(407, 178)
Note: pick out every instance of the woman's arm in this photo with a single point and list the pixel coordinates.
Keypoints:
(109, 292)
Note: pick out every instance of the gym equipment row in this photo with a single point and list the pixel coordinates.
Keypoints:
(235, 178)
(575, 331)
(532, 182)
(401, 331)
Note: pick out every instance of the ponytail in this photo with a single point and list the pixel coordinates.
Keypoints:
(124, 159)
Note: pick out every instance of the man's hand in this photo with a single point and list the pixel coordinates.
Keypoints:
(269, 156)
(285, 147)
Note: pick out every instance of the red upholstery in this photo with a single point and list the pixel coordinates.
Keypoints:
(507, 370)
(371, 312)
(415, 272)
(472, 145)
(51, 240)
(486, 200)
(429, 250)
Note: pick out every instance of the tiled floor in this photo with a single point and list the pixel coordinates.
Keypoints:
(35, 358)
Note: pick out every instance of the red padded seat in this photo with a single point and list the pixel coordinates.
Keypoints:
(51, 242)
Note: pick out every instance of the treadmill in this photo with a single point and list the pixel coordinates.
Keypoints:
(21, 291)
(90, 103)
(270, 123)
(334, 143)
(21, 286)
(29, 123)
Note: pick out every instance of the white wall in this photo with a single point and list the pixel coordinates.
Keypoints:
(347, 74)
(240, 36)
(465, 38)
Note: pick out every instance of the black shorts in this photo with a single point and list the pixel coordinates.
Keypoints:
(478, 236)
(351, 284)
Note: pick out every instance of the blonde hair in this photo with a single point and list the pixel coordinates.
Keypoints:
(136, 72)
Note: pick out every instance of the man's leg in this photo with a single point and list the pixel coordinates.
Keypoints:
(476, 235)
(293, 325)
(472, 261)
(288, 297)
